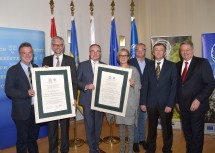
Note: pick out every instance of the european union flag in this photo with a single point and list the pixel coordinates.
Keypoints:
(73, 43)
(113, 44)
(134, 37)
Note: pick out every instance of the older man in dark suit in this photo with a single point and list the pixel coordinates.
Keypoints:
(92, 119)
(18, 87)
(195, 85)
(158, 97)
(140, 131)
(56, 60)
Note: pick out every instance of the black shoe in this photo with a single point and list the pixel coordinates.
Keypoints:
(144, 144)
(136, 147)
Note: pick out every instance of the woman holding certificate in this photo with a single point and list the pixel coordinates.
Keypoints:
(130, 118)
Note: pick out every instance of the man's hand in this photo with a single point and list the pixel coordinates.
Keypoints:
(46, 66)
(143, 108)
(31, 92)
(89, 86)
(167, 109)
(195, 105)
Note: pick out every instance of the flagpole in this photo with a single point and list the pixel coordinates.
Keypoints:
(134, 35)
(53, 31)
(92, 26)
(76, 142)
(113, 47)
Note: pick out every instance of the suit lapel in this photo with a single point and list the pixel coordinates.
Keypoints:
(190, 69)
(23, 75)
(137, 66)
(163, 69)
(154, 72)
(90, 70)
(64, 63)
(51, 61)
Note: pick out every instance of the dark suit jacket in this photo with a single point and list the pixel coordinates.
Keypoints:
(67, 61)
(85, 76)
(135, 63)
(159, 93)
(199, 84)
(16, 88)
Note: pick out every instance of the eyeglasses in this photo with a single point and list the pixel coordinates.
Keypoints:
(123, 56)
(57, 45)
(140, 49)
(92, 51)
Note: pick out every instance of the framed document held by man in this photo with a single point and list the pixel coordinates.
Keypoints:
(53, 93)
(111, 89)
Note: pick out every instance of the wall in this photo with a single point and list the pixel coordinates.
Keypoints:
(175, 17)
(35, 14)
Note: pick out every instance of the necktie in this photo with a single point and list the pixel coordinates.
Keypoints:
(158, 70)
(184, 72)
(58, 62)
(29, 74)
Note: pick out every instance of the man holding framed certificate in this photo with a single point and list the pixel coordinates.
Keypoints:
(57, 60)
(92, 118)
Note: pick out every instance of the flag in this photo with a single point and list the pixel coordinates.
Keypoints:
(92, 30)
(73, 43)
(74, 53)
(134, 37)
(113, 44)
(53, 32)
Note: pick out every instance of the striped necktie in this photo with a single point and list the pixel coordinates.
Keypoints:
(58, 62)
(29, 74)
(158, 70)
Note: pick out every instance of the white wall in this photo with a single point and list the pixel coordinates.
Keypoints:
(35, 15)
(175, 17)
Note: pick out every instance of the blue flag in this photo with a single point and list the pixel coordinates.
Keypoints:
(73, 43)
(134, 37)
(113, 44)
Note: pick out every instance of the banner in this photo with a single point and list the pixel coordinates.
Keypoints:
(113, 44)
(172, 54)
(10, 39)
(208, 51)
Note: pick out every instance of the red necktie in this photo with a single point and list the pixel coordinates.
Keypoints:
(184, 72)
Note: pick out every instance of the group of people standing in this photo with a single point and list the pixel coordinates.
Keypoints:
(155, 88)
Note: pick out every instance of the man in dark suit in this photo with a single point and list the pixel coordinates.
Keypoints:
(158, 97)
(18, 87)
(60, 59)
(195, 85)
(92, 119)
(140, 131)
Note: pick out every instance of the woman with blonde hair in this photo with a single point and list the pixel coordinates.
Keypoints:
(130, 118)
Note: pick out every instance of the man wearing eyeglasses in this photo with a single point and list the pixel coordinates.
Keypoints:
(57, 60)
(140, 131)
(92, 118)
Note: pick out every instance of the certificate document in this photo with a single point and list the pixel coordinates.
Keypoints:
(111, 89)
(53, 93)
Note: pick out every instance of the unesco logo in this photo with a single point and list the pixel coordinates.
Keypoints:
(133, 46)
(213, 53)
(167, 44)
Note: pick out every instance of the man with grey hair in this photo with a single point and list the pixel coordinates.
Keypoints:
(140, 131)
(195, 85)
(56, 60)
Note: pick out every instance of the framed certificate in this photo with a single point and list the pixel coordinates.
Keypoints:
(53, 93)
(111, 89)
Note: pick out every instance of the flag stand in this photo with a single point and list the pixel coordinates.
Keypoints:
(76, 142)
(111, 139)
